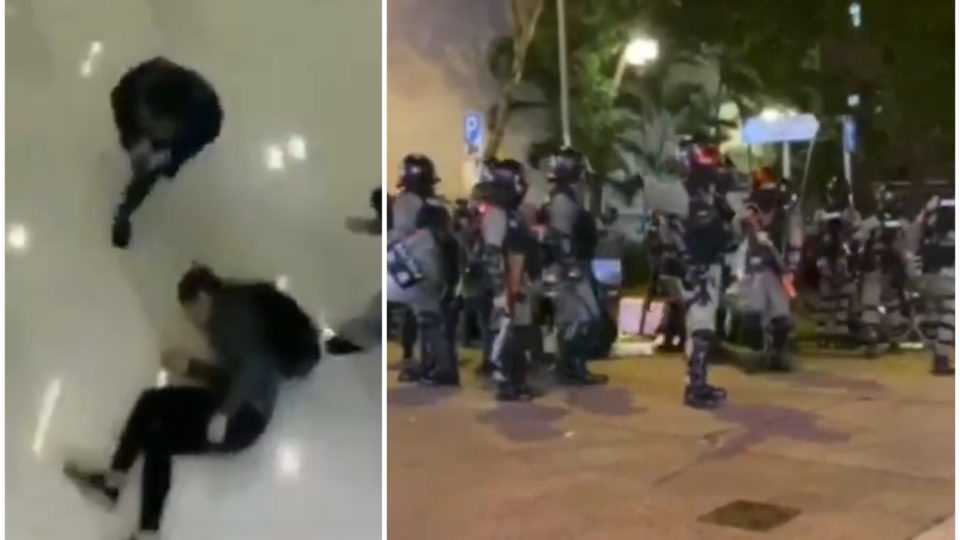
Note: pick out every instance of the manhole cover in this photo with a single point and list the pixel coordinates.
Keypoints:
(750, 515)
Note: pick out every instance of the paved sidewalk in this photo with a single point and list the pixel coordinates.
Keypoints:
(845, 449)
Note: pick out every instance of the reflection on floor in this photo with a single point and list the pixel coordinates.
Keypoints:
(86, 323)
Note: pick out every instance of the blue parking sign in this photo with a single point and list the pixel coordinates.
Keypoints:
(473, 133)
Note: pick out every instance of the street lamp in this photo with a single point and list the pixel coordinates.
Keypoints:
(639, 52)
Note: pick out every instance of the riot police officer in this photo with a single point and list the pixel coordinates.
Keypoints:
(882, 269)
(771, 257)
(931, 240)
(506, 256)
(417, 183)
(706, 239)
(576, 310)
(834, 227)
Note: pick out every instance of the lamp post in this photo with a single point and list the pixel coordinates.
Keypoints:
(564, 85)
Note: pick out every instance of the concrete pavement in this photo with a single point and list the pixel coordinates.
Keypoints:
(844, 449)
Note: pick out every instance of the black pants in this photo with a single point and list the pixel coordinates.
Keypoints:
(167, 422)
(476, 312)
(408, 333)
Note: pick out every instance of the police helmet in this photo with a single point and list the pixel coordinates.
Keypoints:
(567, 165)
(418, 174)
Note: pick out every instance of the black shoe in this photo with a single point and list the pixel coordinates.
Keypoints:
(529, 392)
(338, 345)
(703, 397)
(942, 367)
(717, 392)
(121, 233)
(93, 484)
(512, 392)
(409, 374)
(441, 379)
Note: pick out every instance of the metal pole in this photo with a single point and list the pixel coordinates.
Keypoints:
(786, 160)
(564, 85)
(621, 70)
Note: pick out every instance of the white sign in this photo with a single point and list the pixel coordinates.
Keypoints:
(800, 127)
(473, 133)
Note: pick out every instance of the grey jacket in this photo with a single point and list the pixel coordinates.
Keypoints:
(249, 372)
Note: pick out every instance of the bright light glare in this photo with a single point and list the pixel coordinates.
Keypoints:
(163, 378)
(297, 147)
(282, 282)
(274, 158)
(641, 51)
(771, 114)
(50, 397)
(18, 237)
(288, 460)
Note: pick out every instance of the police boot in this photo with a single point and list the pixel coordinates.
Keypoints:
(698, 394)
(588, 378)
(409, 373)
(777, 356)
(701, 397)
(508, 391)
(941, 365)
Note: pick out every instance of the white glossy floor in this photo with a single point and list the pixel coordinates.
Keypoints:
(86, 323)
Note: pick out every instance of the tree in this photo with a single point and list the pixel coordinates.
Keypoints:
(507, 60)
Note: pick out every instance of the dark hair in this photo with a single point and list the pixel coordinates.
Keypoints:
(168, 95)
(199, 279)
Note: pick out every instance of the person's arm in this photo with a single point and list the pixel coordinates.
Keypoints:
(199, 127)
(123, 102)
(235, 338)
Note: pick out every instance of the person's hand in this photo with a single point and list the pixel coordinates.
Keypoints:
(140, 154)
(158, 159)
(217, 428)
(141, 150)
(176, 361)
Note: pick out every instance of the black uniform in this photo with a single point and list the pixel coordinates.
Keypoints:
(160, 91)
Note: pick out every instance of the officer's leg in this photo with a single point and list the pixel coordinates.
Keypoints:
(702, 301)
(752, 304)
(574, 317)
(824, 308)
(778, 323)
(436, 365)
(483, 309)
(870, 292)
(893, 322)
(943, 289)
(409, 368)
(588, 332)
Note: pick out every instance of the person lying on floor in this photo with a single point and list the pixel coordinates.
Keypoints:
(232, 407)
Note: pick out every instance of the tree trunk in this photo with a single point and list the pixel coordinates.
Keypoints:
(523, 36)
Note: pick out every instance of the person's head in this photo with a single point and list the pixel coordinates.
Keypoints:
(418, 175)
(195, 293)
(166, 99)
(568, 166)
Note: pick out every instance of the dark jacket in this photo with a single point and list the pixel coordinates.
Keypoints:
(198, 126)
(238, 335)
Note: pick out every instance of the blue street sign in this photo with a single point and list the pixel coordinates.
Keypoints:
(473, 133)
(800, 127)
(849, 135)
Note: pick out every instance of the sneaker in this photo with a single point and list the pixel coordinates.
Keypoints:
(94, 485)
(121, 233)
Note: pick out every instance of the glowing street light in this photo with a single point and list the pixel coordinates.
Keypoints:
(639, 52)
(642, 51)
